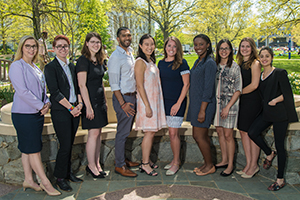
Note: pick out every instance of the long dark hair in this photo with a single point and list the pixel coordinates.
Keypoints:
(140, 53)
(86, 52)
(207, 40)
(179, 53)
(253, 55)
(230, 56)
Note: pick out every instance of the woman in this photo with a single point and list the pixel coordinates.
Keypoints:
(66, 107)
(90, 70)
(250, 103)
(278, 110)
(29, 107)
(228, 90)
(175, 82)
(203, 100)
(150, 107)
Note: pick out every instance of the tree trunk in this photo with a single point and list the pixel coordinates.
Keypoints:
(149, 17)
(36, 21)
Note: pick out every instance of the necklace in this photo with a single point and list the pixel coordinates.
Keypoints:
(266, 74)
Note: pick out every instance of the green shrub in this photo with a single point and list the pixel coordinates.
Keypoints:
(6, 94)
(295, 82)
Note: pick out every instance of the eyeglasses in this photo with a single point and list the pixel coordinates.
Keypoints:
(95, 42)
(60, 47)
(224, 49)
(28, 47)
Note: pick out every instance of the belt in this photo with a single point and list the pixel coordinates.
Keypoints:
(130, 94)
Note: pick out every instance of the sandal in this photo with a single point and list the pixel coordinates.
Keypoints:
(268, 163)
(275, 186)
(153, 165)
(152, 173)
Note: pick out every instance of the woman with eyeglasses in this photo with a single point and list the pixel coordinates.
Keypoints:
(29, 107)
(228, 89)
(90, 70)
(65, 110)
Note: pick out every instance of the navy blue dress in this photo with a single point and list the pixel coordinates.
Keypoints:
(202, 89)
(171, 83)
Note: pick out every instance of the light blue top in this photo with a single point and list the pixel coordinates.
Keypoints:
(121, 71)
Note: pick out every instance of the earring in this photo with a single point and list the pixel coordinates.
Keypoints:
(207, 49)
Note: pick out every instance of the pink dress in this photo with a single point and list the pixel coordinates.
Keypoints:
(153, 91)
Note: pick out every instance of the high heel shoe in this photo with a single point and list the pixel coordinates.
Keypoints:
(103, 173)
(27, 185)
(55, 193)
(251, 175)
(89, 171)
(152, 173)
(240, 172)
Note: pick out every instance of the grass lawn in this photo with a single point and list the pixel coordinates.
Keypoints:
(292, 65)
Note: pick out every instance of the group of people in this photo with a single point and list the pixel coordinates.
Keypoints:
(222, 92)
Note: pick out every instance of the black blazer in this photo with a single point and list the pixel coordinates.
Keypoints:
(278, 84)
(58, 84)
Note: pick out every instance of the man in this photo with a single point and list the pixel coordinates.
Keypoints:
(43, 57)
(122, 82)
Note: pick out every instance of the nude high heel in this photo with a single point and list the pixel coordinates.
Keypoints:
(56, 193)
(27, 185)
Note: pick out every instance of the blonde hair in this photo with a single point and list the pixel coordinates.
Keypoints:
(19, 53)
(179, 53)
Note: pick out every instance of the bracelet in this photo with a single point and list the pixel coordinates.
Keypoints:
(70, 109)
(124, 104)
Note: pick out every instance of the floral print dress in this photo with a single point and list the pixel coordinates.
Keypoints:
(228, 81)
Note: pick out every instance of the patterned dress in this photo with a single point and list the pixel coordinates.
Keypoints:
(228, 81)
(153, 91)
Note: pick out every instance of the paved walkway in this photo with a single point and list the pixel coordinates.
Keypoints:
(184, 185)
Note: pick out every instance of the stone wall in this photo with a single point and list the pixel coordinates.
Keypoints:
(11, 170)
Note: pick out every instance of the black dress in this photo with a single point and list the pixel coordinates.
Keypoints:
(250, 104)
(96, 93)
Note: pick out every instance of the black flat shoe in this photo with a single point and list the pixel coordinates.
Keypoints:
(89, 171)
(221, 166)
(74, 179)
(224, 174)
(63, 185)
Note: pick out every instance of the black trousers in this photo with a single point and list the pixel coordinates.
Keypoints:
(279, 129)
(65, 126)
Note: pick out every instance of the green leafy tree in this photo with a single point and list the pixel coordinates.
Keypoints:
(229, 19)
(36, 11)
(170, 15)
(80, 17)
(12, 28)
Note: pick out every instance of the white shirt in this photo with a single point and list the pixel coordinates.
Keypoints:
(121, 71)
(65, 66)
